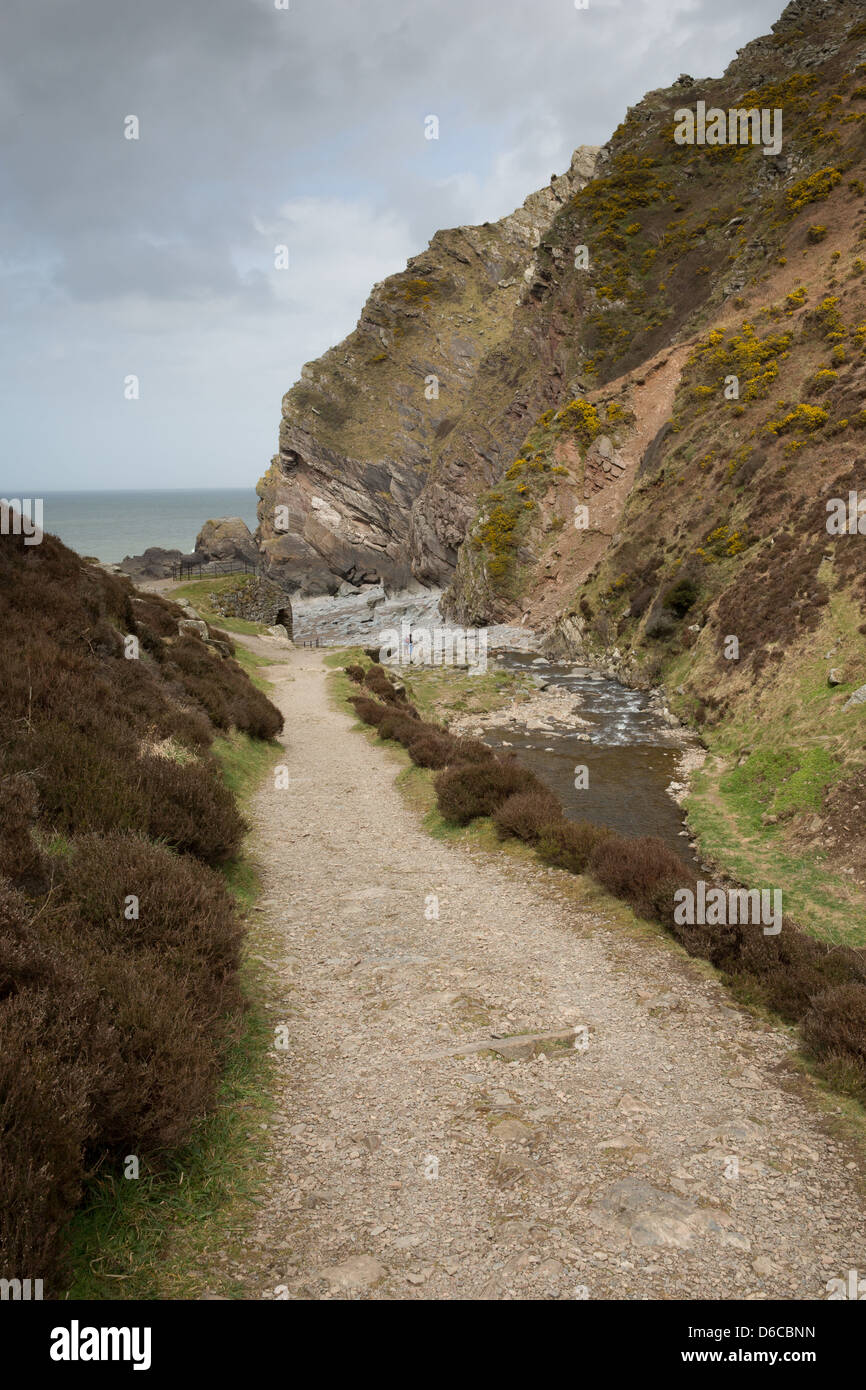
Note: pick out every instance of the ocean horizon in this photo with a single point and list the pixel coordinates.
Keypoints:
(112, 523)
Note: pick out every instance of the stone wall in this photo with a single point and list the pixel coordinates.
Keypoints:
(255, 600)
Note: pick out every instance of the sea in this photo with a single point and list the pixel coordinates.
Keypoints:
(110, 525)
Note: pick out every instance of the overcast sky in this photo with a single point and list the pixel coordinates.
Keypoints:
(262, 126)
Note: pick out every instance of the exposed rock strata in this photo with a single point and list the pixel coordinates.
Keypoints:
(384, 442)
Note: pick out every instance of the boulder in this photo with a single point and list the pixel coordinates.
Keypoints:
(228, 538)
(192, 627)
(154, 563)
(858, 698)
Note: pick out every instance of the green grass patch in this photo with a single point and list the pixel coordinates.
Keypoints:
(779, 782)
(252, 663)
(244, 762)
(344, 656)
(442, 690)
(437, 691)
(199, 592)
(727, 825)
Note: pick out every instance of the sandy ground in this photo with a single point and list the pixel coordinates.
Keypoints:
(657, 1146)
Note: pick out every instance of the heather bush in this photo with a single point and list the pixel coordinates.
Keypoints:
(20, 858)
(428, 749)
(568, 844)
(113, 1032)
(376, 679)
(222, 688)
(225, 639)
(185, 913)
(472, 750)
(44, 1110)
(787, 972)
(355, 673)
(468, 790)
(50, 1034)
(367, 710)
(168, 1051)
(399, 726)
(190, 808)
(526, 814)
(642, 871)
(835, 1023)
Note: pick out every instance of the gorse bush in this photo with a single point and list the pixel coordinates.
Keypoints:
(114, 1026)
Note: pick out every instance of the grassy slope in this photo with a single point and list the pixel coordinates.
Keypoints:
(198, 592)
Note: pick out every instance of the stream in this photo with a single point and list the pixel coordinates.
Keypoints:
(630, 753)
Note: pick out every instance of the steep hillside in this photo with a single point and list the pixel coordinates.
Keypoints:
(385, 442)
(721, 331)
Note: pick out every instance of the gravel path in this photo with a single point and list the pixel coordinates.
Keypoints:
(658, 1146)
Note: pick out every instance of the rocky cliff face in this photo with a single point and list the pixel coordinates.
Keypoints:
(682, 240)
(384, 442)
(651, 389)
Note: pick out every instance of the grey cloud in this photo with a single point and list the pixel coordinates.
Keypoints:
(245, 110)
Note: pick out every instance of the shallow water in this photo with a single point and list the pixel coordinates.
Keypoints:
(630, 754)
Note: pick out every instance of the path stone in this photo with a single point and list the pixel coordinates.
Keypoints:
(358, 1272)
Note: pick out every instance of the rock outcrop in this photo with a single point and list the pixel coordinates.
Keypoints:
(385, 442)
(154, 563)
(228, 538)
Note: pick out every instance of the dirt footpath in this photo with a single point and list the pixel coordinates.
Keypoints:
(653, 1146)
